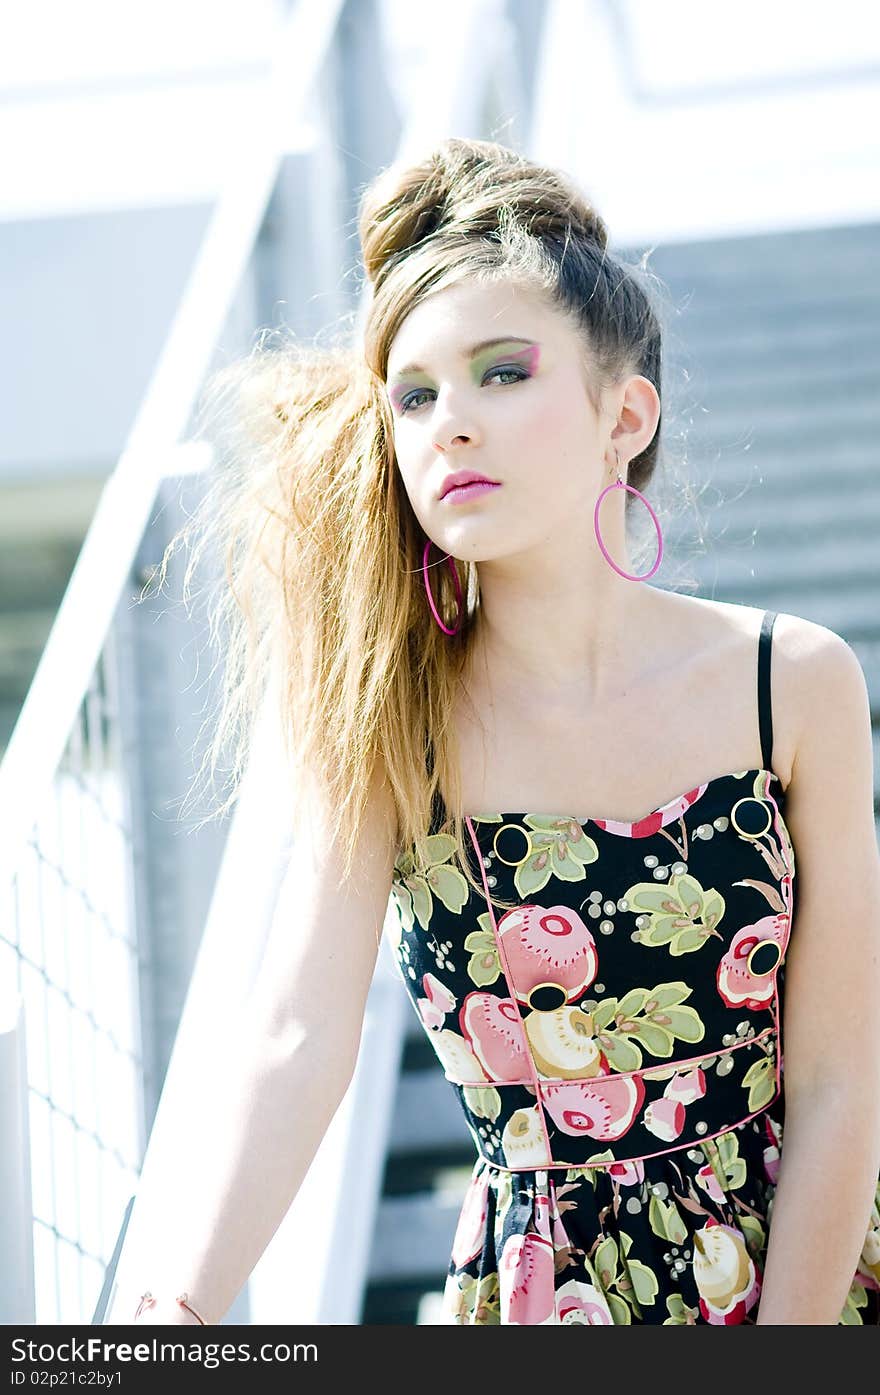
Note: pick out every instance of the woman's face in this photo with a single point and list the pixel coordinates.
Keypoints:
(516, 411)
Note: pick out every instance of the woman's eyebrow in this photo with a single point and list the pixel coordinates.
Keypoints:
(467, 353)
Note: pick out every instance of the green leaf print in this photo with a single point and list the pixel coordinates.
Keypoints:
(559, 848)
(478, 1301)
(731, 1170)
(644, 1017)
(713, 907)
(484, 965)
(753, 1231)
(665, 1220)
(577, 1174)
(604, 1013)
(681, 913)
(761, 1081)
(503, 1201)
(667, 995)
(690, 939)
(722, 1155)
(448, 886)
(483, 1100)
(663, 931)
(403, 902)
(855, 1299)
(635, 1283)
(683, 1022)
(632, 1002)
(605, 1261)
(680, 1315)
(622, 1054)
(415, 887)
(655, 1039)
(626, 1289)
(619, 1310)
(644, 1281)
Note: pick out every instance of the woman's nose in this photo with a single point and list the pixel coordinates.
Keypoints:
(455, 440)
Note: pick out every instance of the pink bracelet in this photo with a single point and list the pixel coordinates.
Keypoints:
(146, 1299)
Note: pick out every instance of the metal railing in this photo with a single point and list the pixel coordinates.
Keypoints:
(70, 948)
(91, 1117)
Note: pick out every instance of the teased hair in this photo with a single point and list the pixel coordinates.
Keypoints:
(323, 585)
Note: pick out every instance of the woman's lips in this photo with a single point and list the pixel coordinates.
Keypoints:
(463, 492)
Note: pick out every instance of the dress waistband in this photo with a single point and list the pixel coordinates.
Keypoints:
(613, 1118)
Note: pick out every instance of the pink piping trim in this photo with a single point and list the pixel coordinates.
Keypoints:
(509, 981)
(789, 906)
(648, 1071)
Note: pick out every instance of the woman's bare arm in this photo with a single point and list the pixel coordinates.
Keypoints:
(282, 1072)
(831, 1031)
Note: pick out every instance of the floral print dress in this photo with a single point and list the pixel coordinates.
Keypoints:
(614, 1041)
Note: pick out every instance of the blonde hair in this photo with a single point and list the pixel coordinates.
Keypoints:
(323, 583)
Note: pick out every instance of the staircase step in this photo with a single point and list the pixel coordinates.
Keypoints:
(397, 1304)
(773, 268)
(427, 1114)
(737, 465)
(785, 423)
(735, 348)
(413, 1237)
(443, 1167)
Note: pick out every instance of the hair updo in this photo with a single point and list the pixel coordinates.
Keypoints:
(462, 188)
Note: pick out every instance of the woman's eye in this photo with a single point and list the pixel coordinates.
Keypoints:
(518, 374)
(407, 403)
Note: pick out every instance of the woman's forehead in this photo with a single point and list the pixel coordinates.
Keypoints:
(434, 332)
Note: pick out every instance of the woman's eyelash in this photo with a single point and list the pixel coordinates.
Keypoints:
(406, 402)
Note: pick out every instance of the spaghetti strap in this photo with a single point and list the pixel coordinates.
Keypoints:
(765, 707)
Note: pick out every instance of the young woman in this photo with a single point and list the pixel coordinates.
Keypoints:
(629, 833)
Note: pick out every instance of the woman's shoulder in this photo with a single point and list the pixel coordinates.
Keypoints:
(797, 641)
(808, 661)
(811, 664)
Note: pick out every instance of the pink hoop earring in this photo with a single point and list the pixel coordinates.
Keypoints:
(619, 484)
(458, 595)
